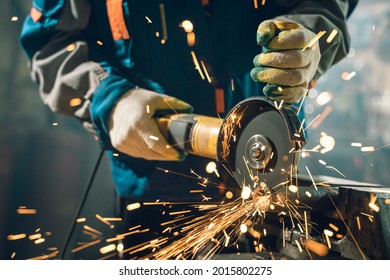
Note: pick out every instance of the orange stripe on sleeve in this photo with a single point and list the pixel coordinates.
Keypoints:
(116, 19)
(35, 14)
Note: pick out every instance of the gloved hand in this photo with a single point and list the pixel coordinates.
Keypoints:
(133, 130)
(283, 65)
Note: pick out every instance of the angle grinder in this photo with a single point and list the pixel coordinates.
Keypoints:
(257, 141)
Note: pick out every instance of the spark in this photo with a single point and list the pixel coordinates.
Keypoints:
(358, 222)
(306, 225)
(331, 36)
(387, 201)
(196, 191)
(100, 43)
(115, 154)
(80, 220)
(191, 39)
(355, 144)
(332, 226)
(54, 124)
(322, 162)
(299, 246)
(39, 241)
(179, 212)
(256, 4)
(70, 47)
(374, 207)
(232, 82)
(23, 211)
(350, 76)
(16, 236)
(328, 232)
(148, 19)
(368, 215)
(229, 195)
(133, 206)
(147, 109)
(100, 218)
(205, 71)
(315, 119)
(302, 101)
(196, 63)
(35, 236)
(246, 192)
(335, 169)
(187, 26)
(328, 241)
(163, 22)
(45, 257)
(89, 244)
(90, 229)
(13, 255)
(293, 188)
(107, 249)
(243, 228)
(324, 115)
(311, 177)
(367, 149)
(113, 219)
(263, 2)
(75, 102)
(323, 98)
(300, 128)
(280, 104)
(314, 40)
(14, 18)
(155, 138)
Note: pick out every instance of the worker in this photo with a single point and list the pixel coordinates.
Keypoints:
(116, 64)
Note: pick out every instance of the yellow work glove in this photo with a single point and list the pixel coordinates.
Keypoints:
(133, 130)
(283, 65)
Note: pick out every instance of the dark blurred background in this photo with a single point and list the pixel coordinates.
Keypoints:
(46, 167)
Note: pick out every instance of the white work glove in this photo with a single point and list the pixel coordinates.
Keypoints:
(133, 130)
(283, 65)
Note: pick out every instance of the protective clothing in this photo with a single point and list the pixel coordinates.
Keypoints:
(133, 130)
(286, 64)
(96, 51)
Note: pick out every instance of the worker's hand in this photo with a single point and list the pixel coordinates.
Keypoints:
(133, 130)
(283, 65)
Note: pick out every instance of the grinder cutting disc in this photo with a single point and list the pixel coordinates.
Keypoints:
(258, 141)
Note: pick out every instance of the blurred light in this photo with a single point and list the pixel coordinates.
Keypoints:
(246, 192)
(293, 188)
(191, 39)
(324, 98)
(309, 109)
(188, 26)
(243, 228)
(355, 144)
(229, 195)
(71, 47)
(347, 76)
(352, 52)
(367, 149)
(211, 167)
(14, 18)
(75, 102)
(327, 141)
(313, 93)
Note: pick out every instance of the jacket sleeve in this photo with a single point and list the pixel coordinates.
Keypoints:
(70, 82)
(326, 15)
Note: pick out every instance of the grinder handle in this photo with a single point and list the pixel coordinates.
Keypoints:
(195, 134)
